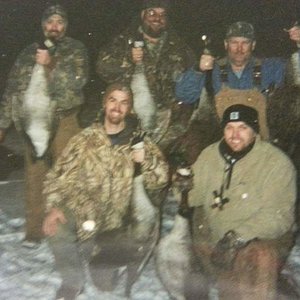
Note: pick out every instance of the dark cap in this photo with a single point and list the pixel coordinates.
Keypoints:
(54, 10)
(156, 3)
(241, 29)
(241, 113)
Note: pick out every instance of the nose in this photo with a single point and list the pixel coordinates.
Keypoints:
(240, 47)
(235, 133)
(54, 26)
(117, 106)
(156, 17)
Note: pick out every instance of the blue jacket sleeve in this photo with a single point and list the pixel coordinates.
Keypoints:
(273, 72)
(189, 86)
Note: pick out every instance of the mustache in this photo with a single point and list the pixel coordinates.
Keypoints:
(115, 110)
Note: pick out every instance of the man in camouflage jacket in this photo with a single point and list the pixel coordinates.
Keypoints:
(90, 188)
(61, 70)
(164, 55)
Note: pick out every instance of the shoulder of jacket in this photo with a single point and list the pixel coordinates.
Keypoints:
(209, 151)
(222, 62)
(71, 41)
(30, 49)
(174, 39)
(274, 155)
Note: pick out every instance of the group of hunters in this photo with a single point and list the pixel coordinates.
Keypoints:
(218, 116)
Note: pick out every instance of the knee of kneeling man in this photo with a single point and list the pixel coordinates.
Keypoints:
(259, 252)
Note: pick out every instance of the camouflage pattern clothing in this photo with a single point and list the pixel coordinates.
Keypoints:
(94, 179)
(162, 63)
(65, 81)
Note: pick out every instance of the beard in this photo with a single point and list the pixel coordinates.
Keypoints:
(154, 33)
(114, 119)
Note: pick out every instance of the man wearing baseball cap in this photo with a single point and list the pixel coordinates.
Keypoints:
(151, 47)
(243, 198)
(239, 70)
(42, 99)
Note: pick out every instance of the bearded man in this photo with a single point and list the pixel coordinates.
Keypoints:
(42, 99)
(149, 55)
(93, 196)
(244, 203)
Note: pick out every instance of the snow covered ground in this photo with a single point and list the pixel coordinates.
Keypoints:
(27, 274)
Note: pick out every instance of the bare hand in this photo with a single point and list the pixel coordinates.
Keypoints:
(137, 55)
(2, 135)
(294, 33)
(138, 156)
(42, 57)
(52, 220)
(206, 62)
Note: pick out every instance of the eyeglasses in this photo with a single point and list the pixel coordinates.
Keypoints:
(151, 13)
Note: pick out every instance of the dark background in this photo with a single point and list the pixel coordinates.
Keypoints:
(95, 22)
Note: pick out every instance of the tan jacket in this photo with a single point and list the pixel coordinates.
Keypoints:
(261, 195)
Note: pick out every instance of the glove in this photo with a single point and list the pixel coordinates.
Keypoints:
(226, 250)
(182, 182)
(138, 141)
(182, 179)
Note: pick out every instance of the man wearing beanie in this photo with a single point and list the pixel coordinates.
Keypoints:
(148, 56)
(243, 198)
(42, 98)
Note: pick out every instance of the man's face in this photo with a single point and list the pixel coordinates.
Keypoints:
(154, 21)
(54, 27)
(117, 106)
(238, 135)
(239, 50)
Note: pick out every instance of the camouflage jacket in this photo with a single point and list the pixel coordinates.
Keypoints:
(94, 179)
(65, 80)
(114, 63)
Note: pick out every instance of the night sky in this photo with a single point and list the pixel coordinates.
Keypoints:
(95, 22)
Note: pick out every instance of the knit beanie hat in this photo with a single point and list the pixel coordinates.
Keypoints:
(54, 10)
(241, 29)
(156, 3)
(241, 113)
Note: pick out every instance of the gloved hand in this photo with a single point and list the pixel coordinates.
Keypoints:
(182, 179)
(138, 152)
(138, 141)
(226, 250)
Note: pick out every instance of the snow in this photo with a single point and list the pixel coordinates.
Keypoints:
(30, 274)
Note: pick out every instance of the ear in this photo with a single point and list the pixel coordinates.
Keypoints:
(253, 45)
(142, 14)
(225, 44)
(104, 104)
